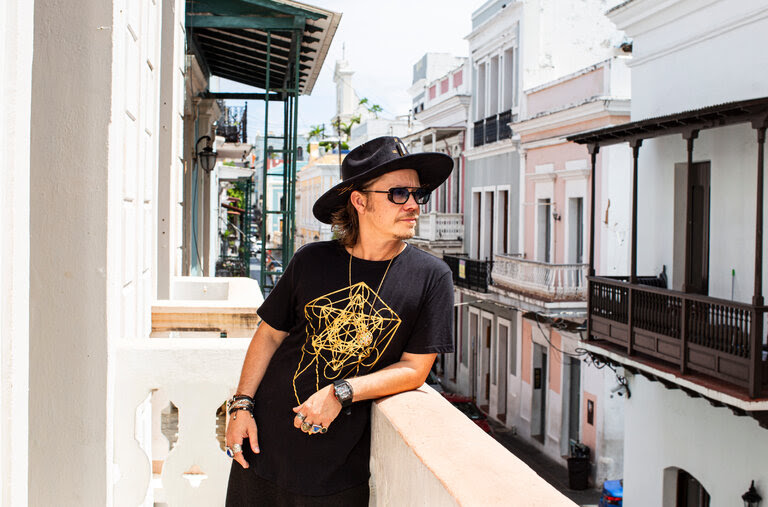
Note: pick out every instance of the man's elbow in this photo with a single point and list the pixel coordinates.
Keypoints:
(417, 379)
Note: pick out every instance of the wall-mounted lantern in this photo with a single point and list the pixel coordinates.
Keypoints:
(206, 157)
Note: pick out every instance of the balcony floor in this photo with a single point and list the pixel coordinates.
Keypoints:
(716, 390)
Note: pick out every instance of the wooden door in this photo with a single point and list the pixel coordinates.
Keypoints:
(697, 254)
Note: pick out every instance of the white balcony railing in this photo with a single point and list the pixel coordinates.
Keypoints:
(168, 422)
(553, 281)
(168, 426)
(434, 226)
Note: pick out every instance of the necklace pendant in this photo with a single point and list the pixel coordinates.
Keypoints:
(364, 337)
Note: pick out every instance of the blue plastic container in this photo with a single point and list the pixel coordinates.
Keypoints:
(613, 494)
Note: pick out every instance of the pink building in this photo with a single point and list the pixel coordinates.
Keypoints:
(559, 396)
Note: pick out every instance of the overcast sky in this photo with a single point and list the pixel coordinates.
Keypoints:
(382, 40)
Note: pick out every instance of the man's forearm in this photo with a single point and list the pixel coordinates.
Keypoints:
(408, 373)
(263, 345)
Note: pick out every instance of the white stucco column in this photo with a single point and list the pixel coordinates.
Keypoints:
(16, 37)
(170, 167)
(70, 177)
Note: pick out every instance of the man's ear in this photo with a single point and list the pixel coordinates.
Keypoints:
(359, 201)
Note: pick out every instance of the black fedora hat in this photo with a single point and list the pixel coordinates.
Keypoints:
(374, 158)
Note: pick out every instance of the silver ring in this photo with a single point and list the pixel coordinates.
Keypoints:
(237, 448)
(301, 416)
(229, 452)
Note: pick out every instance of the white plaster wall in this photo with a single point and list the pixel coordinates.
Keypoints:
(675, 48)
(554, 420)
(94, 87)
(732, 152)
(722, 451)
(72, 92)
(562, 37)
(609, 423)
(655, 212)
(613, 210)
(16, 42)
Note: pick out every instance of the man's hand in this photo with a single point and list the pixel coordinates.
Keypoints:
(320, 408)
(239, 429)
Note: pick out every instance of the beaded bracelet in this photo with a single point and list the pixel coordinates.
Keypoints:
(240, 402)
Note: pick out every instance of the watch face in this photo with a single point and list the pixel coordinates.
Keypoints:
(343, 392)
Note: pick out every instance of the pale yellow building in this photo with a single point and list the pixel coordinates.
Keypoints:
(318, 176)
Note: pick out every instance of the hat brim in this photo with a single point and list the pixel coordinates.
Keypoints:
(433, 170)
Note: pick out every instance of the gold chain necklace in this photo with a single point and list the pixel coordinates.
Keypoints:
(364, 336)
(382, 278)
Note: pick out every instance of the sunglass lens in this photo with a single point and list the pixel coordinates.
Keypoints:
(399, 195)
(421, 196)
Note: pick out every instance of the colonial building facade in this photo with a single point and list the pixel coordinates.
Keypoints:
(537, 76)
(692, 344)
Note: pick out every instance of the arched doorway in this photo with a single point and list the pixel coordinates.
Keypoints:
(683, 490)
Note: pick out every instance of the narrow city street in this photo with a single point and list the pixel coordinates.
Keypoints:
(546, 467)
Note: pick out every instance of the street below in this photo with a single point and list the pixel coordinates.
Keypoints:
(547, 468)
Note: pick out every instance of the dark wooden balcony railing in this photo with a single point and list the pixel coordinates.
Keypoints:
(491, 129)
(479, 136)
(504, 119)
(698, 333)
(469, 273)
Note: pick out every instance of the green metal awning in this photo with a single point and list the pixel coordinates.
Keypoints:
(229, 38)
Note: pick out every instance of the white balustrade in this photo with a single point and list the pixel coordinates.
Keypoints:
(196, 376)
(555, 281)
(434, 226)
(164, 386)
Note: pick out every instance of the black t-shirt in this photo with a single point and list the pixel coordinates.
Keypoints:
(338, 330)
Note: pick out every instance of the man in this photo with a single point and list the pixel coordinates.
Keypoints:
(350, 320)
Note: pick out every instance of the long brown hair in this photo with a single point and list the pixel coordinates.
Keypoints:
(346, 225)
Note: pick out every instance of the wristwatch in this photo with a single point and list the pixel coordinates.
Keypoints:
(343, 392)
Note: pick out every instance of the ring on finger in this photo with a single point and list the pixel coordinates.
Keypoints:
(229, 451)
(301, 416)
(305, 427)
(237, 448)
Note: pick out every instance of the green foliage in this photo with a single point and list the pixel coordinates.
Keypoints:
(237, 193)
(315, 132)
(372, 108)
(375, 109)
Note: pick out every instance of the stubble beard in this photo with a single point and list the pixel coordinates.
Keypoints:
(410, 232)
(406, 235)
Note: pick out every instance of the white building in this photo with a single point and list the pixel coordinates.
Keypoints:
(693, 347)
(441, 95)
(539, 71)
(316, 178)
(370, 125)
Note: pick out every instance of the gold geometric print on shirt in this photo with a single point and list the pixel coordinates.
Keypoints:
(346, 329)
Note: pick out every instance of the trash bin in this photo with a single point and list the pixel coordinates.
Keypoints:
(578, 472)
(578, 466)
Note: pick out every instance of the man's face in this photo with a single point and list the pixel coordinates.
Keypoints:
(382, 217)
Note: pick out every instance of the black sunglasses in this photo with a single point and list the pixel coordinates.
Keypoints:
(400, 195)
